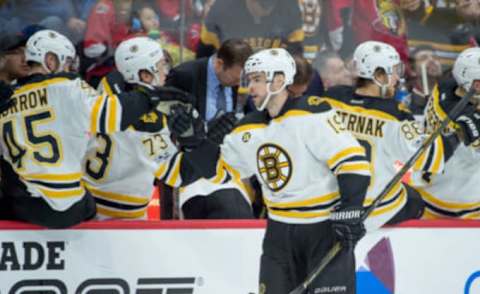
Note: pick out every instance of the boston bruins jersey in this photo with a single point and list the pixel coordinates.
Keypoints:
(453, 193)
(46, 131)
(302, 159)
(120, 168)
(390, 137)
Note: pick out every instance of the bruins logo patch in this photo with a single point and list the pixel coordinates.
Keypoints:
(274, 166)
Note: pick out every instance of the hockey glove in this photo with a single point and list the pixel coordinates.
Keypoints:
(347, 225)
(185, 126)
(219, 127)
(469, 124)
(6, 93)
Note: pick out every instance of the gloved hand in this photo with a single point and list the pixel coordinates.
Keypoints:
(469, 125)
(163, 98)
(219, 127)
(6, 93)
(347, 225)
(186, 127)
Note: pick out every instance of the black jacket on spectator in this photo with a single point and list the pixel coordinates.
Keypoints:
(191, 77)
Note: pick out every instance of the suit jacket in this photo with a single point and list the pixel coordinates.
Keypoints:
(191, 77)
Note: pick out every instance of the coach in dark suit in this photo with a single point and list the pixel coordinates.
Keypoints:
(213, 80)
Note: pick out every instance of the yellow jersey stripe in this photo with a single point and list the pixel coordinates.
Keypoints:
(421, 161)
(438, 156)
(41, 84)
(78, 192)
(121, 214)
(323, 199)
(96, 113)
(345, 153)
(447, 205)
(112, 114)
(438, 108)
(300, 214)
(160, 173)
(173, 177)
(394, 205)
(291, 113)
(395, 191)
(248, 127)
(130, 199)
(106, 87)
(54, 177)
(349, 167)
(357, 109)
(220, 173)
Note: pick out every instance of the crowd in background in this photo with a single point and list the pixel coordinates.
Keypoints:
(321, 34)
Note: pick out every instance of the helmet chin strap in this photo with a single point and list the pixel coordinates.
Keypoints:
(269, 96)
(383, 87)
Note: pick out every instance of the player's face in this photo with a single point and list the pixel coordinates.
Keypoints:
(15, 64)
(257, 88)
(162, 71)
(230, 76)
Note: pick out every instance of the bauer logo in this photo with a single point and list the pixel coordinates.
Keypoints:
(472, 286)
(175, 285)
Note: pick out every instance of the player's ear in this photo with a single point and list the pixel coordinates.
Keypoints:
(381, 76)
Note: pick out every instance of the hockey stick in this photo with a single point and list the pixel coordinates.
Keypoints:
(332, 253)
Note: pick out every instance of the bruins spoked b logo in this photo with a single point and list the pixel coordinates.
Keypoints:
(274, 166)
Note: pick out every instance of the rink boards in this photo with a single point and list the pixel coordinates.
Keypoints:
(212, 257)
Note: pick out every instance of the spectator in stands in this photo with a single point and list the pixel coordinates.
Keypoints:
(58, 15)
(332, 70)
(214, 82)
(151, 26)
(312, 27)
(261, 23)
(302, 77)
(12, 58)
(426, 70)
(109, 23)
(447, 30)
(380, 20)
(170, 14)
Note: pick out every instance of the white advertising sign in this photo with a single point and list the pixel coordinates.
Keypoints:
(223, 260)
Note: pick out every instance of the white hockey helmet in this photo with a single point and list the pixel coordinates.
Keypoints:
(49, 41)
(136, 54)
(271, 61)
(372, 55)
(467, 68)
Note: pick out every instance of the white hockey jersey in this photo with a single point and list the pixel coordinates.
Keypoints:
(455, 193)
(390, 139)
(297, 157)
(120, 168)
(45, 135)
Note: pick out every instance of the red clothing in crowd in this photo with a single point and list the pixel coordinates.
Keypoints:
(103, 33)
(379, 20)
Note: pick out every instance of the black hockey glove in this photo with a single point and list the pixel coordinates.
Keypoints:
(469, 124)
(6, 93)
(219, 127)
(186, 129)
(163, 98)
(347, 225)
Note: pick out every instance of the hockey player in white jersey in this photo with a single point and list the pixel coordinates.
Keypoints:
(387, 131)
(313, 176)
(455, 192)
(46, 131)
(120, 169)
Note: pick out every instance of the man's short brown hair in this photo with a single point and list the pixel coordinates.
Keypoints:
(234, 52)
